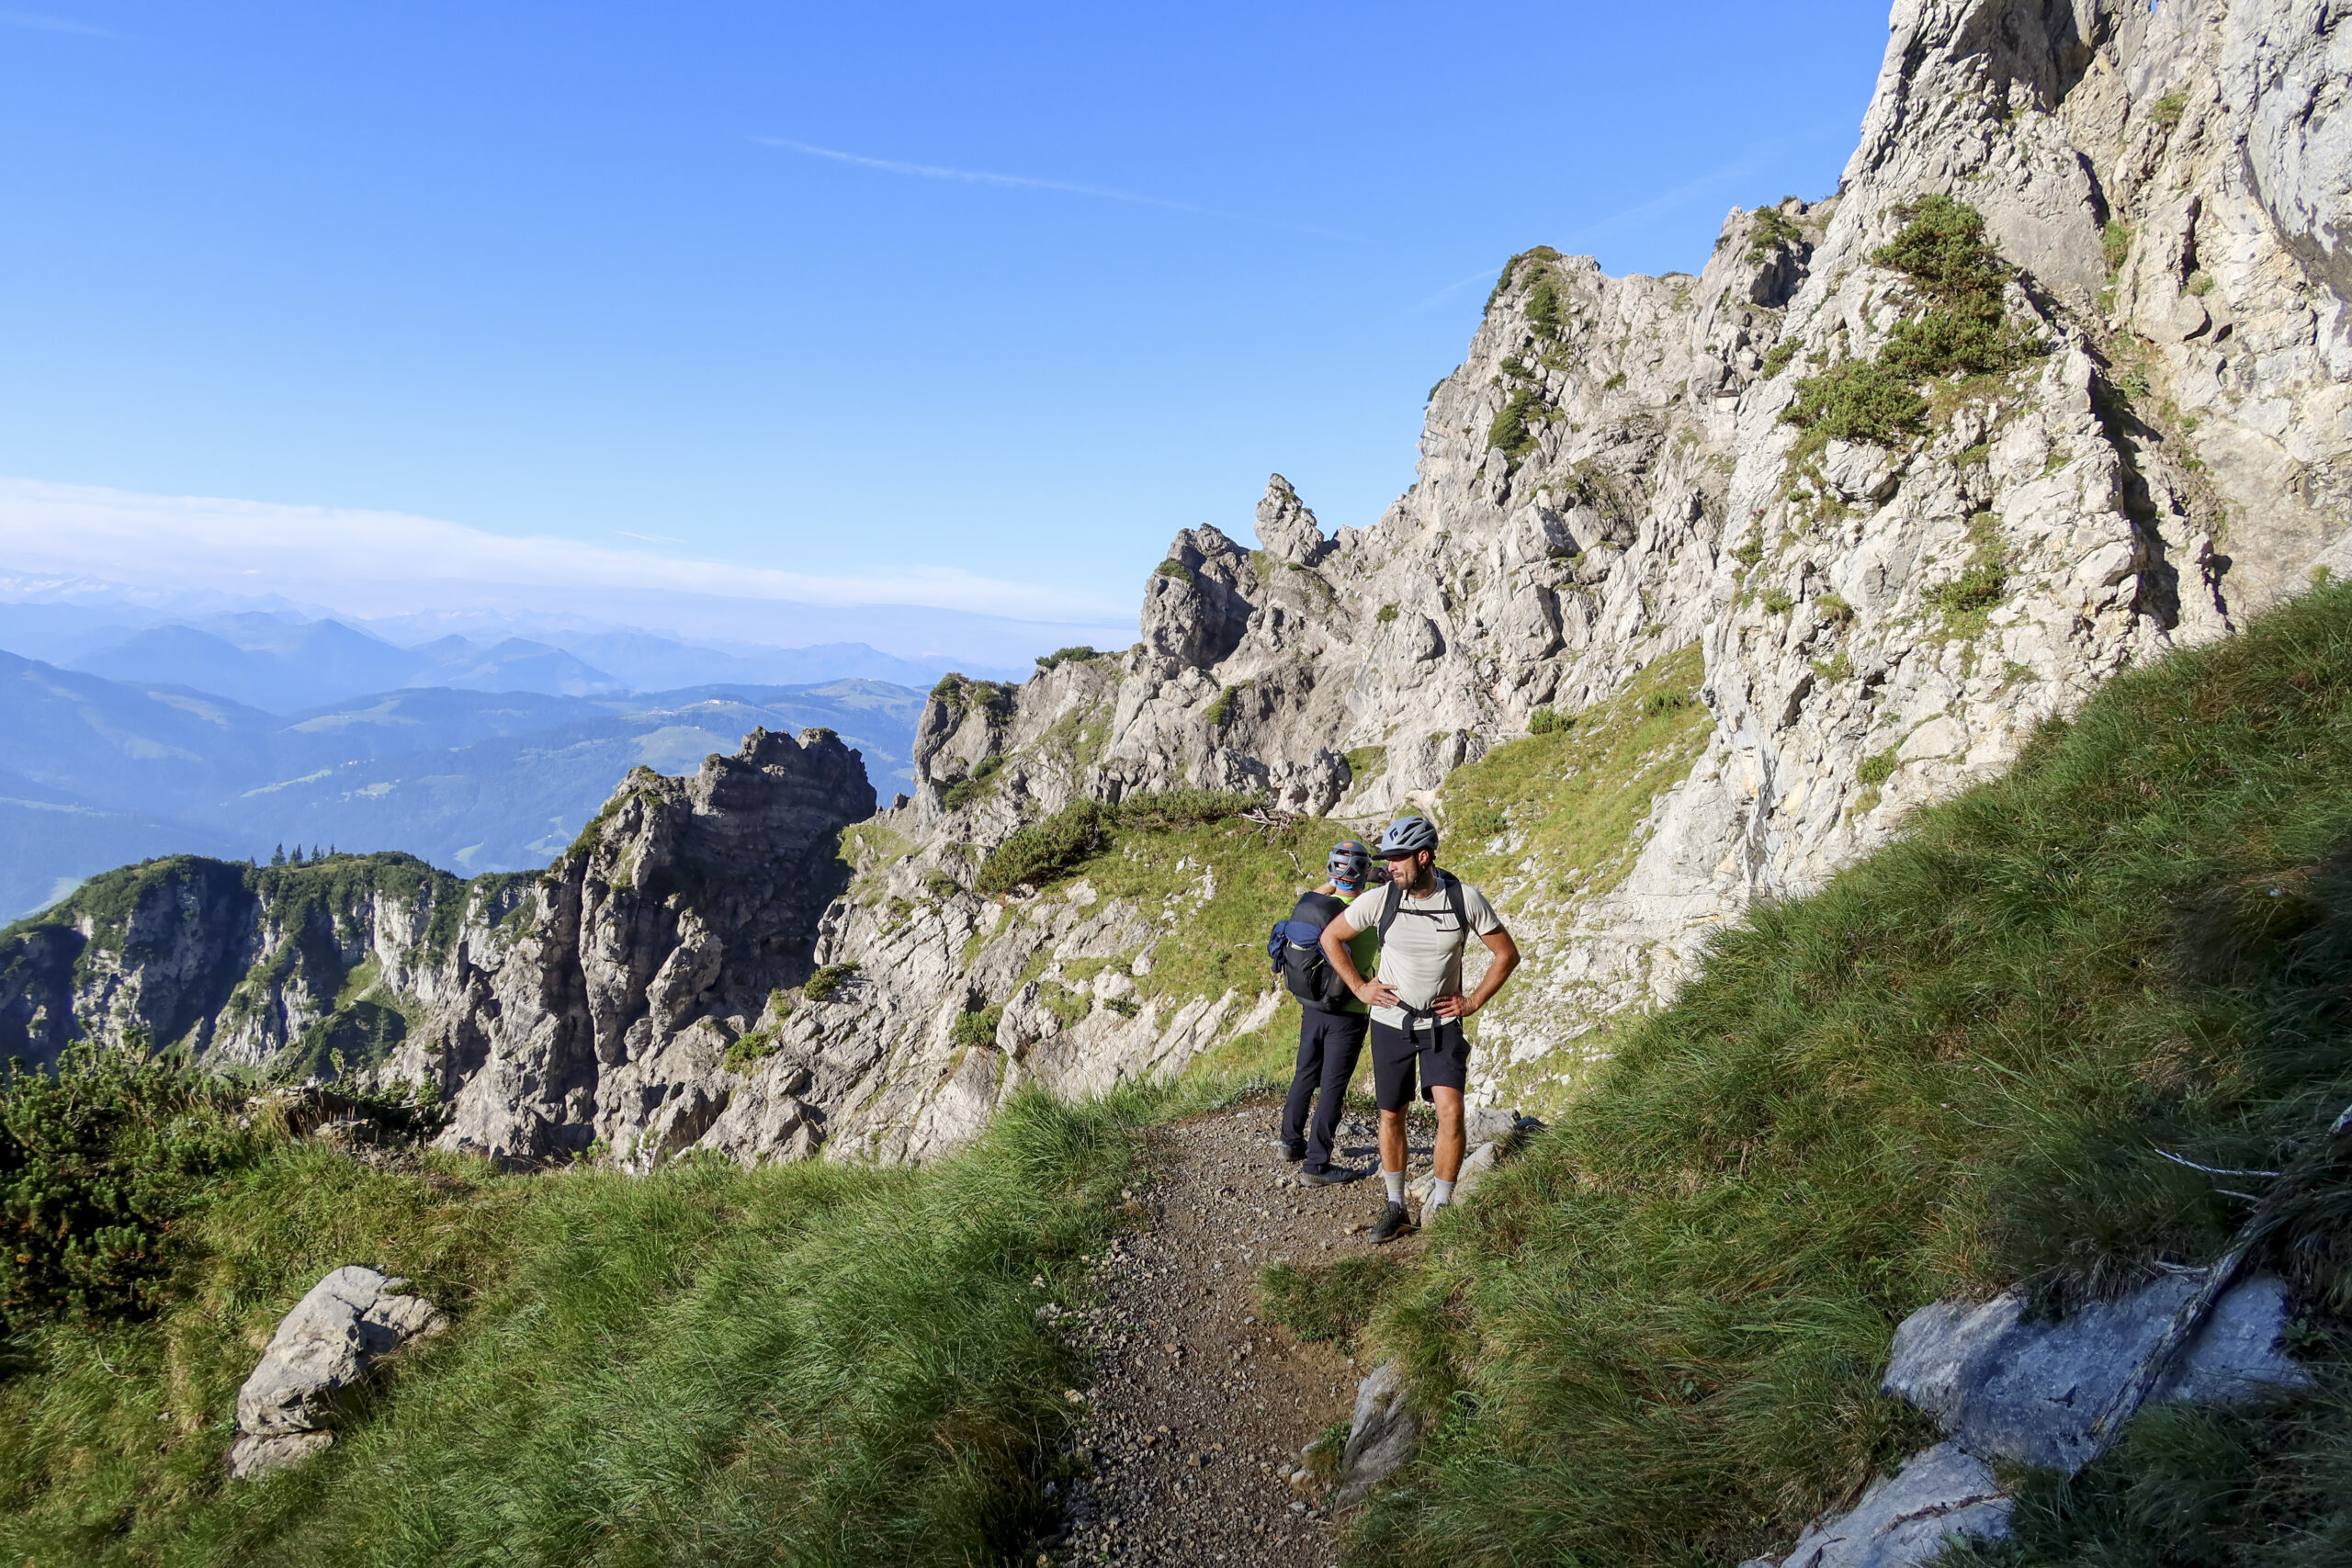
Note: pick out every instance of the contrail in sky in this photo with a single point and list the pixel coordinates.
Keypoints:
(38, 24)
(1028, 182)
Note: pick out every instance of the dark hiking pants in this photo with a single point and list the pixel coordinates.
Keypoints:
(1329, 1045)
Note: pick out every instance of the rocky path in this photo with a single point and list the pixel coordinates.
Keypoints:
(1199, 1412)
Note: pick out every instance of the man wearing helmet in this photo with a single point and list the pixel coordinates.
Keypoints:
(1425, 918)
(1330, 1027)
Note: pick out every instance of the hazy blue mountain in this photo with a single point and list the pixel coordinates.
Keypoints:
(322, 661)
(286, 670)
(422, 717)
(97, 773)
(42, 829)
(650, 663)
(149, 749)
(518, 664)
(61, 633)
(515, 801)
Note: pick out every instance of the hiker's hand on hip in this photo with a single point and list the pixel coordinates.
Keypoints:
(1453, 1007)
(1376, 994)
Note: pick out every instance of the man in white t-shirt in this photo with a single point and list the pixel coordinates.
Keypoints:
(1425, 916)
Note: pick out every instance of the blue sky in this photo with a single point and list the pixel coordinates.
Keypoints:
(724, 282)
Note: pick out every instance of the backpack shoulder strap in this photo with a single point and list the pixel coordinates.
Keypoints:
(1394, 902)
(1454, 901)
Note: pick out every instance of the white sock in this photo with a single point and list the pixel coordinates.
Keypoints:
(1395, 1180)
(1440, 1194)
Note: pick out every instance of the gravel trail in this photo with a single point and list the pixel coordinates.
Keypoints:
(1198, 1412)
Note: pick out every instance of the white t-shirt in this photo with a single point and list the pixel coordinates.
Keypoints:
(1421, 957)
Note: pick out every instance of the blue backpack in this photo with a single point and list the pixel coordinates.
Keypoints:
(1294, 951)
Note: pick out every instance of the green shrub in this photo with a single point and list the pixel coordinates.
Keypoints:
(1482, 822)
(1386, 614)
(97, 1165)
(1776, 358)
(975, 1027)
(974, 786)
(1614, 382)
(2115, 245)
(1980, 587)
(1160, 810)
(1545, 720)
(1878, 767)
(1520, 425)
(1672, 700)
(1540, 254)
(1961, 329)
(1125, 1007)
(2200, 283)
(748, 1050)
(1175, 569)
(1833, 608)
(2166, 111)
(940, 885)
(1035, 854)
(1771, 230)
(1777, 602)
(960, 694)
(1857, 400)
(1366, 764)
(1077, 655)
(1544, 306)
(827, 981)
(1220, 708)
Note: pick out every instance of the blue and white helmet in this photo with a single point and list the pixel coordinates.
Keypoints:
(1406, 835)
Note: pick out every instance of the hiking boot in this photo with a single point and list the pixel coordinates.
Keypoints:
(1397, 1222)
(1294, 1150)
(1329, 1178)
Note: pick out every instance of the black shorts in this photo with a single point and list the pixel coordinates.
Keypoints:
(1437, 1051)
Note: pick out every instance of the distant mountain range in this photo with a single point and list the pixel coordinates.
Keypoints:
(286, 662)
(99, 769)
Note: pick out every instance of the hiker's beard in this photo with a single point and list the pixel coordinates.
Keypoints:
(1413, 876)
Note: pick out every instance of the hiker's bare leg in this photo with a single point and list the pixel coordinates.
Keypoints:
(1448, 1163)
(1392, 1140)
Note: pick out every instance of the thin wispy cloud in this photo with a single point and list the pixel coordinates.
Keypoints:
(383, 563)
(1641, 212)
(1030, 181)
(32, 22)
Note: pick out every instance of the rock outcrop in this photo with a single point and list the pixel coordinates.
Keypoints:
(606, 1013)
(323, 1350)
(2007, 1387)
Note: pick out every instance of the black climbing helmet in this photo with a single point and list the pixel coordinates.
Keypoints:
(1350, 862)
(1406, 835)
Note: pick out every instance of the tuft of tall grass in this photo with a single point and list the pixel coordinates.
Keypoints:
(1656, 1337)
(808, 1363)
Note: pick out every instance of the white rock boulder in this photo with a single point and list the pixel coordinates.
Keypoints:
(334, 1337)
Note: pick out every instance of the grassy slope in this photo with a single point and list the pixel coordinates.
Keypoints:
(1552, 822)
(803, 1363)
(1655, 1339)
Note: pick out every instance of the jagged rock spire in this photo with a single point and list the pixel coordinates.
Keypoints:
(1286, 528)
